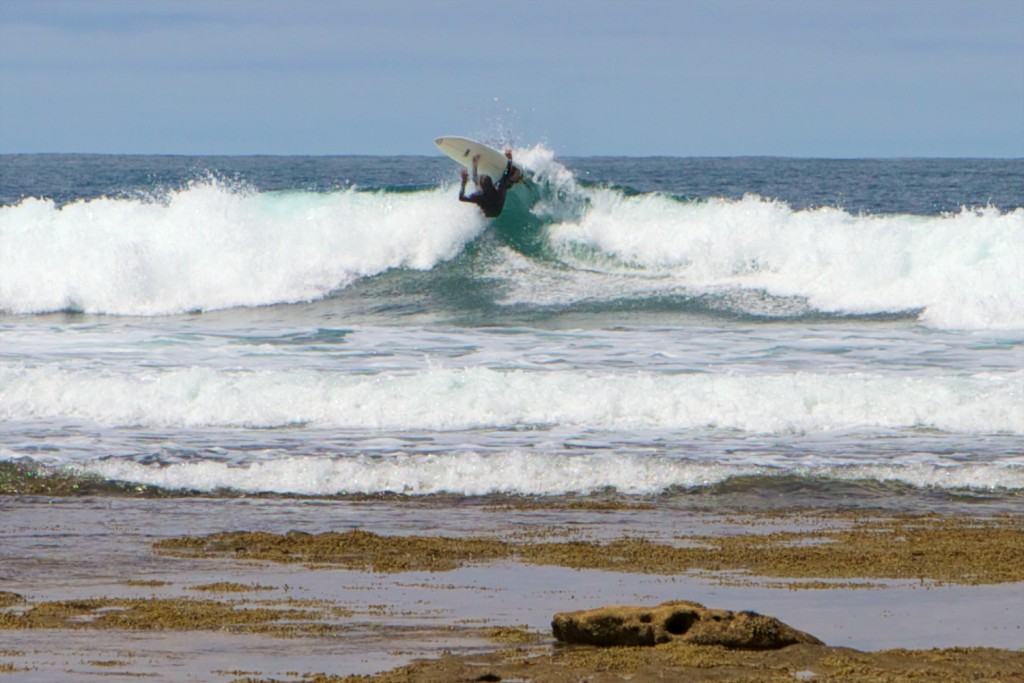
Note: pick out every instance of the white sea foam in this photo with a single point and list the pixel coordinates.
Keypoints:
(962, 270)
(211, 246)
(516, 472)
(476, 398)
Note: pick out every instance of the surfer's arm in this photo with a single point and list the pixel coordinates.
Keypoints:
(506, 177)
(462, 189)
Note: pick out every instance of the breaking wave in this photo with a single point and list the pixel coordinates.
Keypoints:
(212, 245)
(483, 398)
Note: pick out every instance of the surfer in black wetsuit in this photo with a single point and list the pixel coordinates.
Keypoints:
(490, 197)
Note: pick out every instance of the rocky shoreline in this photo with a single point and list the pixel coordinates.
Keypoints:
(418, 596)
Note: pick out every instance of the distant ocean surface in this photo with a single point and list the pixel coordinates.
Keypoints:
(816, 331)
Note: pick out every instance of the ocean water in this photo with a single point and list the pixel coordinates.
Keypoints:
(806, 331)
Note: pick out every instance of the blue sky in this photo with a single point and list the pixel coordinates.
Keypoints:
(812, 78)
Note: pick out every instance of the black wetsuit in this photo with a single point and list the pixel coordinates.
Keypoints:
(492, 201)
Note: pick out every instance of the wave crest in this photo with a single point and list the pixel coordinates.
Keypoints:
(482, 398)
(521, 473)
(962, 271)
(212, 246)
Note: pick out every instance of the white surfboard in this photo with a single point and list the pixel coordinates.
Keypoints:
(492, 161)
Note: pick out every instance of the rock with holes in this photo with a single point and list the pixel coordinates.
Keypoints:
(683, 621)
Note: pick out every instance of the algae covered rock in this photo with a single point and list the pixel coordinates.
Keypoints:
(8, 598)
(683, 621)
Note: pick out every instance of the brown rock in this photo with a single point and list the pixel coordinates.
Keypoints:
(682, 621)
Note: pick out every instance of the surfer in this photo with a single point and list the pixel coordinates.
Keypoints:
(490, 197)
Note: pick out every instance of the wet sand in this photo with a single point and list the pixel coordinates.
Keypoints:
(237, 589)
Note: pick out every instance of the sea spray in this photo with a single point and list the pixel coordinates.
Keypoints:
(961, 270)
(212, 246)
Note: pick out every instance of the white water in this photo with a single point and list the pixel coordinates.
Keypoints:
(518, 472)
(965, 271)
(492, 372)
(481, 398)
(211, 247)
